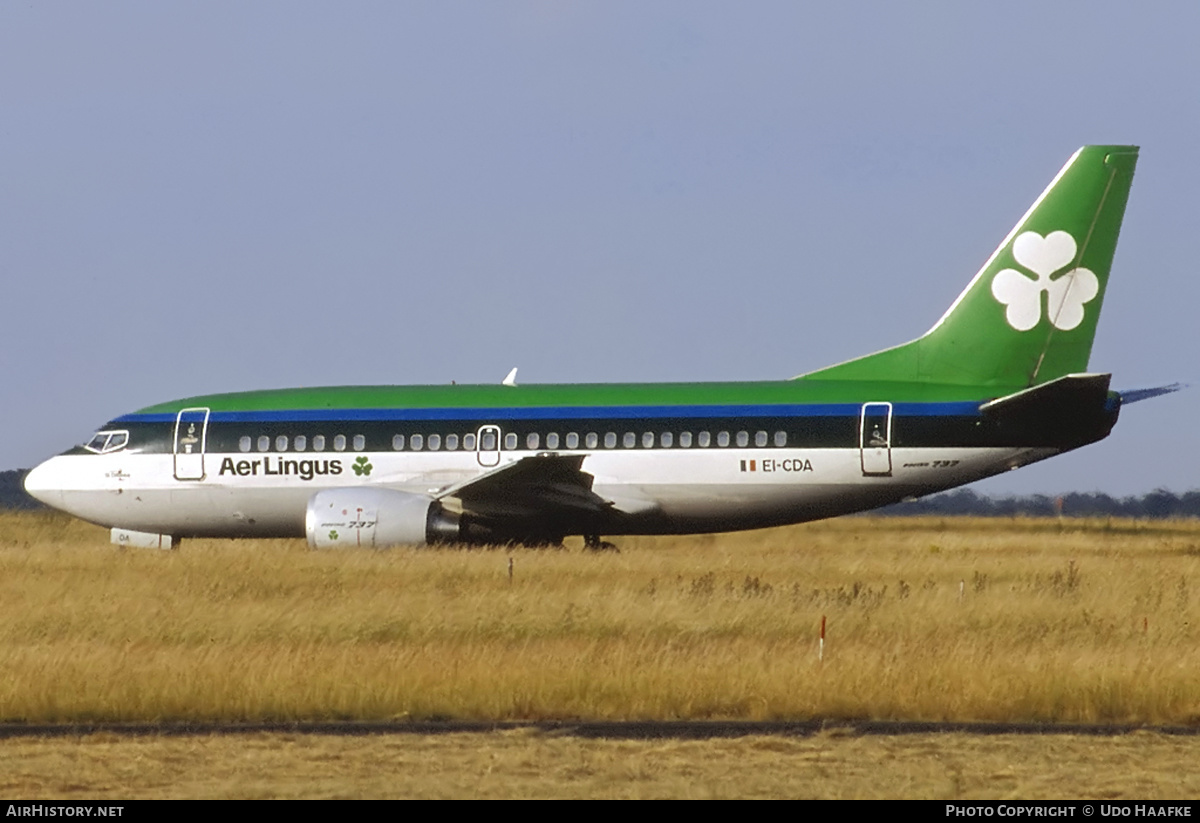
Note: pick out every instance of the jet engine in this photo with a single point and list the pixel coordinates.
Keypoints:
(377, 517)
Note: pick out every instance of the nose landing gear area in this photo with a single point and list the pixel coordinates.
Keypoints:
(143, 540)
(593, 543)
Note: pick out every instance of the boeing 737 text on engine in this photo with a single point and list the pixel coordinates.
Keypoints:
(1000, 381)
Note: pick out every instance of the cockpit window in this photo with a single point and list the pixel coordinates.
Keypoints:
(108, 441)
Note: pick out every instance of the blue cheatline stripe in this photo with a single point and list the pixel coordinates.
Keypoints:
(959, 409)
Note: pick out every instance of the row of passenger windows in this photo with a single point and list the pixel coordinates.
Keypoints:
(533, 441)
(300, 443)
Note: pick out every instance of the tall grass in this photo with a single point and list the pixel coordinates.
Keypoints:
(927, 619)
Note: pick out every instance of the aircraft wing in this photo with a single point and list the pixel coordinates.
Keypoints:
(545, 486)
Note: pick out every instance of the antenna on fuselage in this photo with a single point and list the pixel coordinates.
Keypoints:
(511, 380)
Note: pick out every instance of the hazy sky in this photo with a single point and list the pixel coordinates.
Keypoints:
(205, 197)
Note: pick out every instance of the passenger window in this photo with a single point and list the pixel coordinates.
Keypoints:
(629, 440)
(704, 439)
(398, 442)
(281, 443)
(469, 442)
(300, 443)
(489, 441)
(264, 443)
(531, 440)
(781, 439)
(722, 439)
(416, 442)
(592, 440)
(451, 442)
(339, 442)
(244, 443)
(685, 440)
(510, 440)
(360, 442)
(435, 442)
(666, 439)
(648, 440)
(760, 439)
(743, 439)
(552, 440)
(318, 442)
(610, 440)
(572, 440)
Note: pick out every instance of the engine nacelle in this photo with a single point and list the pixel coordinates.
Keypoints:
(376, 517)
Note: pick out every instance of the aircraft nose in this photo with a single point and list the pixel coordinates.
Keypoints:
(40, 484)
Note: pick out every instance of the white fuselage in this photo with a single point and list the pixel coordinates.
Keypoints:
(669, 490)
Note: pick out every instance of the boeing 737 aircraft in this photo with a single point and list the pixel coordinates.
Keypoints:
(1000, 381)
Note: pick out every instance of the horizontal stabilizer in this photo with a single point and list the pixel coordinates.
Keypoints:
(1073, 389)
(1134, 395)
(1067, 412)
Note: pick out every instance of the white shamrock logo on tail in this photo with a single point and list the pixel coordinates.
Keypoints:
(1023, 296)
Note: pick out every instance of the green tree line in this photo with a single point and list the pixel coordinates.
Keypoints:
(1157, 505)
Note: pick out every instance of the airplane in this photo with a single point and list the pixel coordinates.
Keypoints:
(999, 382)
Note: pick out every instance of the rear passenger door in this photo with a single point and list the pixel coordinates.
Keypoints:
(875, 439)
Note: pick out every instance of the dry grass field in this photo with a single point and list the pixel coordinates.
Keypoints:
(927, 620)
(528, 764)
(1001, 620)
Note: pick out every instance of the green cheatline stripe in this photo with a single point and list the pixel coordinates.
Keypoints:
(787, 392)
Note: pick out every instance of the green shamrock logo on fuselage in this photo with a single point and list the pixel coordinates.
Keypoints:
(362, 466)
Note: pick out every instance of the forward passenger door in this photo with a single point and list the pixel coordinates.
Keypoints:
(191, 436)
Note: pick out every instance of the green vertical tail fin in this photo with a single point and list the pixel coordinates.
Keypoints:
(1029, 315)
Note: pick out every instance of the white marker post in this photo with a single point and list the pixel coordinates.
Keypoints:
(821, 645)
